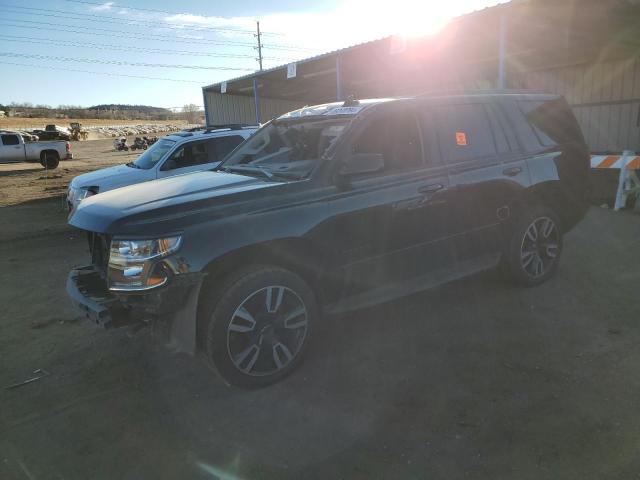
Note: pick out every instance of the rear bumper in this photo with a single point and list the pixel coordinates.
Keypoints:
(171, 308)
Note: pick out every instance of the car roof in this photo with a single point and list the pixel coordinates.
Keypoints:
(211, 132)
(348, 108)
(352, 107)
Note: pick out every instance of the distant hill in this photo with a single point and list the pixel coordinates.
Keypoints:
(134, 108)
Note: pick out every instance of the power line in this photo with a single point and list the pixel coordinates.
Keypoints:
(106, 46)
(129, 34)
(118, 62)
(123, 48)
(127, 7)
(102, 73)
(84, 2)
(289, 48)
(93, 30)
(121, 20)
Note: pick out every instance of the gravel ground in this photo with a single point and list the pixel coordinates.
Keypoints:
(476, 379)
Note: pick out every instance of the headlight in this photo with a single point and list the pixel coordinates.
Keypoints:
(77, 194)
(133, 264)
(84, 193)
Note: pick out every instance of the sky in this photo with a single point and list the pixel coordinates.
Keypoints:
(161, 52)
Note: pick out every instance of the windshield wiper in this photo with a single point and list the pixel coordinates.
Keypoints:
(132, 165)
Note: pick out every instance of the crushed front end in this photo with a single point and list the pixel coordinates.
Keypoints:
(137, 283)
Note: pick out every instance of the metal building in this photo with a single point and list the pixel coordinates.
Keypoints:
(585, 50)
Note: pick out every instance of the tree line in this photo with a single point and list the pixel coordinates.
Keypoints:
(191, 113)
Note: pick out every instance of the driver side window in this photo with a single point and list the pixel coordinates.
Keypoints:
(188, 155)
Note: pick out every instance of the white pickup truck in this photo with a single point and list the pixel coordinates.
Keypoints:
(13, 148)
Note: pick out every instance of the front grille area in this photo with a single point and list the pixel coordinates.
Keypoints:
(99, 248)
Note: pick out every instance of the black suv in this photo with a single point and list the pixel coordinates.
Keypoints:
(333, 208)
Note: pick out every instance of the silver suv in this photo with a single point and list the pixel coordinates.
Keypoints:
(175, 154)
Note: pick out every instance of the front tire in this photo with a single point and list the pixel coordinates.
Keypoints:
(259, 325)
(535, 247)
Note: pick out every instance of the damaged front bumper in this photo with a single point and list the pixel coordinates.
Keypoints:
(171, 308)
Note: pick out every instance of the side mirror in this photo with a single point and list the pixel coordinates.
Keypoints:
(360, 163)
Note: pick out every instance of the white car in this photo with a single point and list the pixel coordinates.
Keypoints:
(175, 154)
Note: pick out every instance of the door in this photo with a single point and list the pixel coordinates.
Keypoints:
(12, 150)
(199, 155)
(388, 225)
(484, 169)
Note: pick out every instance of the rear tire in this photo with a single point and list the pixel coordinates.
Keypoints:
(259, 324)
(535, 247)
(50, 160)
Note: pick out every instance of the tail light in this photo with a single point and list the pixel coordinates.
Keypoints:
(68, 146)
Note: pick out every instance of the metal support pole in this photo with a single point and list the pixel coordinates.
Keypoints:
(502, 49)
(256, 99)
(339, 89)
(206, 110)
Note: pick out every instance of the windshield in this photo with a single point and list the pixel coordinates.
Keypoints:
(285, 148)
(153, 154)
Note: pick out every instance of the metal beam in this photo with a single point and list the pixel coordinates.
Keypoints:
(206, 110)
(256, 99)
(339, 87)
(502, 52)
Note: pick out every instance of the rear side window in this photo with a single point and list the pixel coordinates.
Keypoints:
(552, 121)
(464, 132)
(220, 147)
(10, 140)
(396, 137)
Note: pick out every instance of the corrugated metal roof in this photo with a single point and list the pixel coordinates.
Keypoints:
(355, 46)
(304, 60)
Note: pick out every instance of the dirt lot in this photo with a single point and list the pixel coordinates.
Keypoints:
(20, 182)
(477, 379)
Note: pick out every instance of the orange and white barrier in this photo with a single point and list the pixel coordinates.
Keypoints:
(628, 182)
(632, 162)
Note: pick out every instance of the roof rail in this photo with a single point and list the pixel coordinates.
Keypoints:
(230, 126)
(351, 101)
(495, 91)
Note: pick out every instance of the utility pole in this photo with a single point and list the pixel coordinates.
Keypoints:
(259, 44)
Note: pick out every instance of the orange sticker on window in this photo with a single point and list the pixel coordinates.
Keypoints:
(461, 139)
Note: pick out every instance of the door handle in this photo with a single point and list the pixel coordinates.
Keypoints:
(425, 192)
(512, 171)
(434, 187)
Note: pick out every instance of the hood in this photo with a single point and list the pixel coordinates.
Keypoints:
(163, 205)
(112, 177)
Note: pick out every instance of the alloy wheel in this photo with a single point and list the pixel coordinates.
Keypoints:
(540, 246)
(267, 330)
